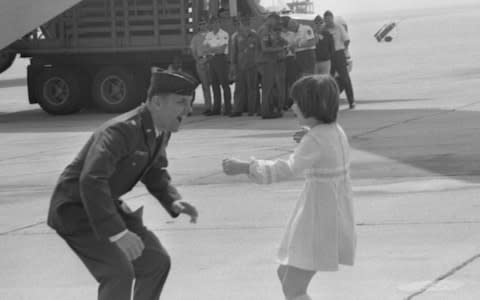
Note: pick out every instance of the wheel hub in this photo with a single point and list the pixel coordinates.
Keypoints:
(56, 91)
(113, 90)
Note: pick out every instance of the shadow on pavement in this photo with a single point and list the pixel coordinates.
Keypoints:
(436, 141)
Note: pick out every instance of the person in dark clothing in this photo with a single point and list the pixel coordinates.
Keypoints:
(324, 48)
(217, 41)
(245, 47)
(86, 209)
(291, 68)
(271, 62)
(339, 59)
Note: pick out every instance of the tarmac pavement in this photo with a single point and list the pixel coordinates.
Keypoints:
(416, 178)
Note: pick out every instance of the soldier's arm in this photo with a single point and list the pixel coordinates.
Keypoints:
(108, 147)
(269, 48)
(158, 183)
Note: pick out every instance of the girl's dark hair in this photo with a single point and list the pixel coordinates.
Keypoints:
(316, 96)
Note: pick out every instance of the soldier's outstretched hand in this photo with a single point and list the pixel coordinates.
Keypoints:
(183, 207)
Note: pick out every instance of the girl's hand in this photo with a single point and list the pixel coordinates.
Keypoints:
(232, 166)
(297, 136)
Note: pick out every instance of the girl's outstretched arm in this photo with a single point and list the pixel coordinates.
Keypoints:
(269, 171)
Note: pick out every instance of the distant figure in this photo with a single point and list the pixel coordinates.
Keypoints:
(271, 62)
(224, 10)
(324, 48)
(291, 68)
(339, 60)
(245, 47)
(304, 48)
(176, 65)
(320, 234)
(217, 41)
(201, 56)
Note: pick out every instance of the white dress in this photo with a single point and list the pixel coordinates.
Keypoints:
(320, 234)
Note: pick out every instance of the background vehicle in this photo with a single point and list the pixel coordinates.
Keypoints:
(99, 52)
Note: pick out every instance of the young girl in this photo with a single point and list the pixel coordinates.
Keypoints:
(321, 232)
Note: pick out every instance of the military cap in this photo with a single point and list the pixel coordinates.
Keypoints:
(167, 82)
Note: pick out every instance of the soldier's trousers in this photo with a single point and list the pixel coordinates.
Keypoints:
(291, 74)
(219, 77)
(339, 65)
(246, 91)
(203, 71)
(115, 273)
(273, 77)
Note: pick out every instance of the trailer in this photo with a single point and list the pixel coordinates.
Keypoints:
(100, 52)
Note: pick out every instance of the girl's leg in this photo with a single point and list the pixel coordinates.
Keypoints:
(295, 282)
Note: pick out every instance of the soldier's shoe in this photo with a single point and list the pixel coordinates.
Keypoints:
(206, 112)
(213, 113)
(235, 114)
(352, 105)
(272, 116)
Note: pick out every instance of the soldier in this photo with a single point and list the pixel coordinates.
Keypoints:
(304, 48)
(272, 66)
(339, 60)
(291, 69)
(200, 54)
(86, 209)
(324, 48)
(244, 52)
(217, 41)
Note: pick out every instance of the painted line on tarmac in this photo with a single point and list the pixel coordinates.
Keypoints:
(441, 278)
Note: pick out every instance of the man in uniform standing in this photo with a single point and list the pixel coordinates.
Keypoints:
(200, 54)
(271, 60)
(291, 68)
(244, 51)
(217, 41)
(341, 41)
(304, 47)
(86, 209)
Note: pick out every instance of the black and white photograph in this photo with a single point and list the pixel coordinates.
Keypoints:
(239, 149)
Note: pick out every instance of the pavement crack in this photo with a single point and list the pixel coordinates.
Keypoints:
(364, 224)
(447, 111)
(22, 228)
(356, 136)
(443, 277)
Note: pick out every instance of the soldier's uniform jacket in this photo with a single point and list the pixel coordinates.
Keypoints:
(270, 39)
(244, 49)
(120, 153)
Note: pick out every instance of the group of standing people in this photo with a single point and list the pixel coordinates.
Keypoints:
(265, 62)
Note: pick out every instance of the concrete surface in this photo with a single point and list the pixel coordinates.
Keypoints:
(414, 138)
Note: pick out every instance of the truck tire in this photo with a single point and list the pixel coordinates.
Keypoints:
(58, 91)
(6, 60)
(115, 90)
